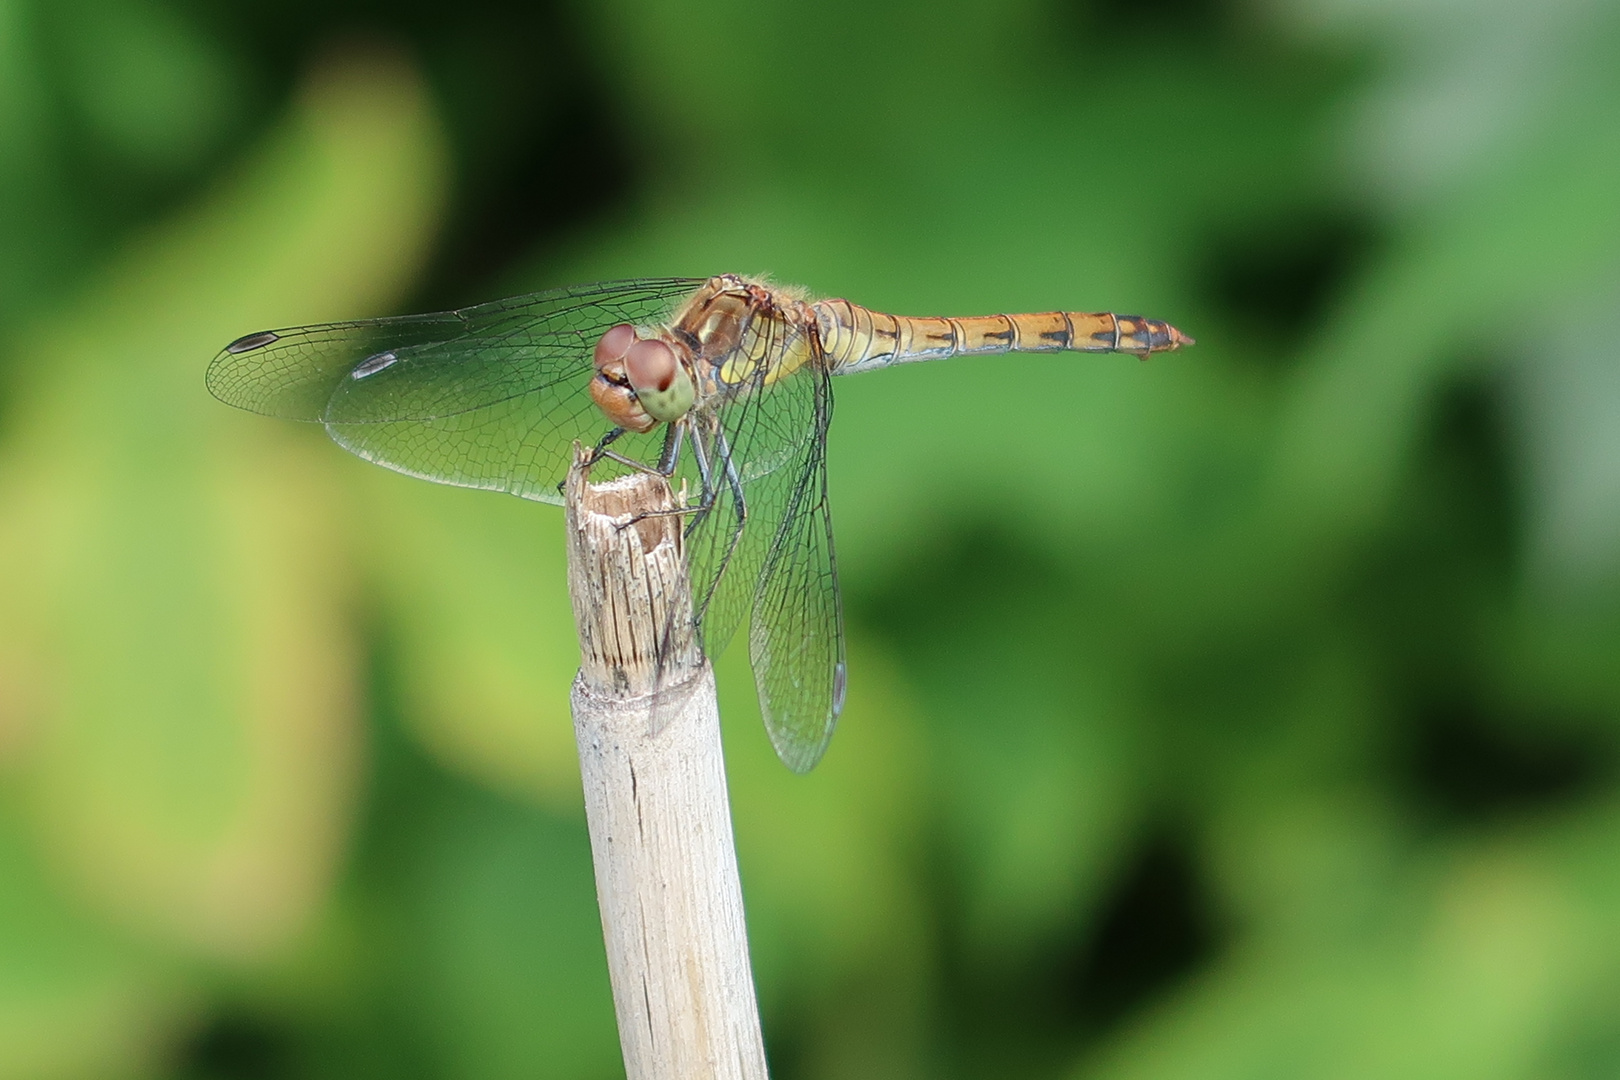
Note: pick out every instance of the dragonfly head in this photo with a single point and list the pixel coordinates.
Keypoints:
(639, 382)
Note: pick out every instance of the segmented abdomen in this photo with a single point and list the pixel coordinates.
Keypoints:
(854, 338)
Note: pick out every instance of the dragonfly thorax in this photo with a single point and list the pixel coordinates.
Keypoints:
(640, 381)
(744, 334)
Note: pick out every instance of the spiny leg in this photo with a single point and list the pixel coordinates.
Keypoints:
(668, 457)
(734, 481)
(598, 452)
(668, 460)
(706, 478)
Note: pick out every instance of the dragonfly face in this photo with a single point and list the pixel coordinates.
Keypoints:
(640, 382)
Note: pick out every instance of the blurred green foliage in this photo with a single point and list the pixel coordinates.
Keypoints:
(1250, 712)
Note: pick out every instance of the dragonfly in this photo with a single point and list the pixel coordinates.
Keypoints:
(723, 383)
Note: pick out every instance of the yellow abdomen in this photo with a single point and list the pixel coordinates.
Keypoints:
(854, 338)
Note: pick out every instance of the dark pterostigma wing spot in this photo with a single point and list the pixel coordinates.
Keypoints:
(373, 364)
(249, 342)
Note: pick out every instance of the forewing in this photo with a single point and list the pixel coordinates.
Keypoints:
(796, 636)
(491, 396)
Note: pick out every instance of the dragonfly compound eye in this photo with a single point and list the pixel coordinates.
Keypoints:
(614, 344)
(660, 381)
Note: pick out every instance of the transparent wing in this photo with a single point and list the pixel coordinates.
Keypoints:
(796, 636)
(491, 396)
(767, 546)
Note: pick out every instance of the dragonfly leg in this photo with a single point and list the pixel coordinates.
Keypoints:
(598, 452)
(734, 482)
(668, 459)
(711, 491)
(706, 478)
(671, 454)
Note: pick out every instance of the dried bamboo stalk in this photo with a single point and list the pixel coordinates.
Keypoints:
(655, 793)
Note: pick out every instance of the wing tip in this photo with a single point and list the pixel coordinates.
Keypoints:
(799, 761)
(801, 757)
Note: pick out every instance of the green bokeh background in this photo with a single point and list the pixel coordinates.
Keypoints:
(1252, 712)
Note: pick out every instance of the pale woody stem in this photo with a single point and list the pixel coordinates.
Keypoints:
(648, 729)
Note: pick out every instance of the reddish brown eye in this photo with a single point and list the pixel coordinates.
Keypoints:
(614, 344)
(650, 365)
